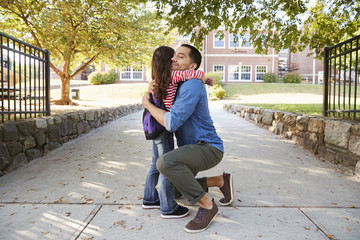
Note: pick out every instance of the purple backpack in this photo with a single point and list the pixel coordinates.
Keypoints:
(152, 128)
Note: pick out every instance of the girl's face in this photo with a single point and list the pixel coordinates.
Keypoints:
(182, 60)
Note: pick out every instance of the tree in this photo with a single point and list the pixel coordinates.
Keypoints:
(78, 33)
(280, 24)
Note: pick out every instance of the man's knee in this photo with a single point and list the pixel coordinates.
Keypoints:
(161, 164)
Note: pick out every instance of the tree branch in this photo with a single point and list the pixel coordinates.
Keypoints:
(83, 67)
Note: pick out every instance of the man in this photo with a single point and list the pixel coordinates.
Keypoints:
(200, 148)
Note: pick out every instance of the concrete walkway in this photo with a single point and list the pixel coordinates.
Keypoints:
(91, 188)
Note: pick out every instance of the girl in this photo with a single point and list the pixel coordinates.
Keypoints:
(165, 84)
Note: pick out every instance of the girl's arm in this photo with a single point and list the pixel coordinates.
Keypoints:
(181, 76)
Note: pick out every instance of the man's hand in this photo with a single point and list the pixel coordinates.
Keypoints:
(146, 100)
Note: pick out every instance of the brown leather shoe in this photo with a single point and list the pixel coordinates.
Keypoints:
(227, 189)
(202, 220)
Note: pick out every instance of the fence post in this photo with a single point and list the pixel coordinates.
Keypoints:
(326, 81)
(47, 76)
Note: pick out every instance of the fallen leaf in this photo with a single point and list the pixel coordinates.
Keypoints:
(306, 228)
(239, 200)
(346, 218)
(68, 214)
(128, 207)
(352, 206)
(59, 200)
(259, 235)
(139, 228)
(44, 233)
(348, 229)
(107, 196)
(334, 203)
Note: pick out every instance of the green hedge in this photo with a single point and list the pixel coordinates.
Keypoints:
(292, 78)
(270, 78)
(97, 78)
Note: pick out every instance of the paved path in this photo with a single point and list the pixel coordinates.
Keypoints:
(91, 188)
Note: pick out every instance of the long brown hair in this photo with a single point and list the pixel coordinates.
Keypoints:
(161, 70)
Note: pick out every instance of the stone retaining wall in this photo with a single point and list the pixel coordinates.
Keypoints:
(25, 140)
(337, 141)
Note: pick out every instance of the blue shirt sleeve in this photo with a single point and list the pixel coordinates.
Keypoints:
(186, 100)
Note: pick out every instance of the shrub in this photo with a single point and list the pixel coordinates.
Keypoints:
(97, 78)
(270, 77)
(216, 92)
(292, 78)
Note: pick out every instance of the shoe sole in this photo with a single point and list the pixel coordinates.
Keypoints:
(174, 216)
(231, 191)
(150, 207)
(201, 230)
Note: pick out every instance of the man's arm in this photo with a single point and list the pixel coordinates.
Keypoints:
(156, 112)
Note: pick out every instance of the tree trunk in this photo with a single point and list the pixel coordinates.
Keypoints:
(65, 93)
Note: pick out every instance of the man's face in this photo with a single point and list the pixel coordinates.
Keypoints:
(182, 60)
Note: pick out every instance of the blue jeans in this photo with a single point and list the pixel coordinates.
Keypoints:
(163, 144)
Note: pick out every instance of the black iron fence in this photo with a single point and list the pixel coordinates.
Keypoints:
(24, 79)
(342, 80)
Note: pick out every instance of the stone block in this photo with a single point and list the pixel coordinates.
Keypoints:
(53, 145)
(19, 160)
(302, 123)
(290, 119)
(74, 117)
(57, 120)
(279, 128)
(40, 137)
(14, 148)
(29, 142)
(337, 133)
(54, 132)
(32, 154)
(278, 116)
(327, 154)
(316, 125)
(4, 157)
(311, 142)
(268, 117)
(40, 123)
(80, 128)
(355, 129)
(247, 116)
(257, 118)
(1, 133)
(346, 159)
(10, 132)
(357, 168)
(66, 127)
(354, 145)
(26, 128)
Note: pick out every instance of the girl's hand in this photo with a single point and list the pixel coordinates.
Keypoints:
(210, 81)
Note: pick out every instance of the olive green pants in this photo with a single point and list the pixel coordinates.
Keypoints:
(181, 165)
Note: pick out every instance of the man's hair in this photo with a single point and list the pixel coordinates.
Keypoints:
(194, 54)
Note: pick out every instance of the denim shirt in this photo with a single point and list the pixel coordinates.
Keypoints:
(190, 118)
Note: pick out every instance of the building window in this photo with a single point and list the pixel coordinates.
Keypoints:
(132, 73)
(232, 42)
(219, 42)
(219, 69)
(233, 72)
(260, 71)
(245, 74)
(246, 41)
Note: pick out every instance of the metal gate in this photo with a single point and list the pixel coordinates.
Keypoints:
(342, 80)
(24, 79)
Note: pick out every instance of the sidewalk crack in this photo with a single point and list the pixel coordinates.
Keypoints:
(86, 222)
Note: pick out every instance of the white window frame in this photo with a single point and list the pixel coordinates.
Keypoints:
(131, 70)
(230, 72)
(223, 72)
(256, 72)
(247, 36)
(231, 41)
(247, 72)
(218, 39)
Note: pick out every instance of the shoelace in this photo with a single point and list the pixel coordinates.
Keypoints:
(200, 213)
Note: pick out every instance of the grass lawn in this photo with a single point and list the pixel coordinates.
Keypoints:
(235, 89)
(311, 109)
